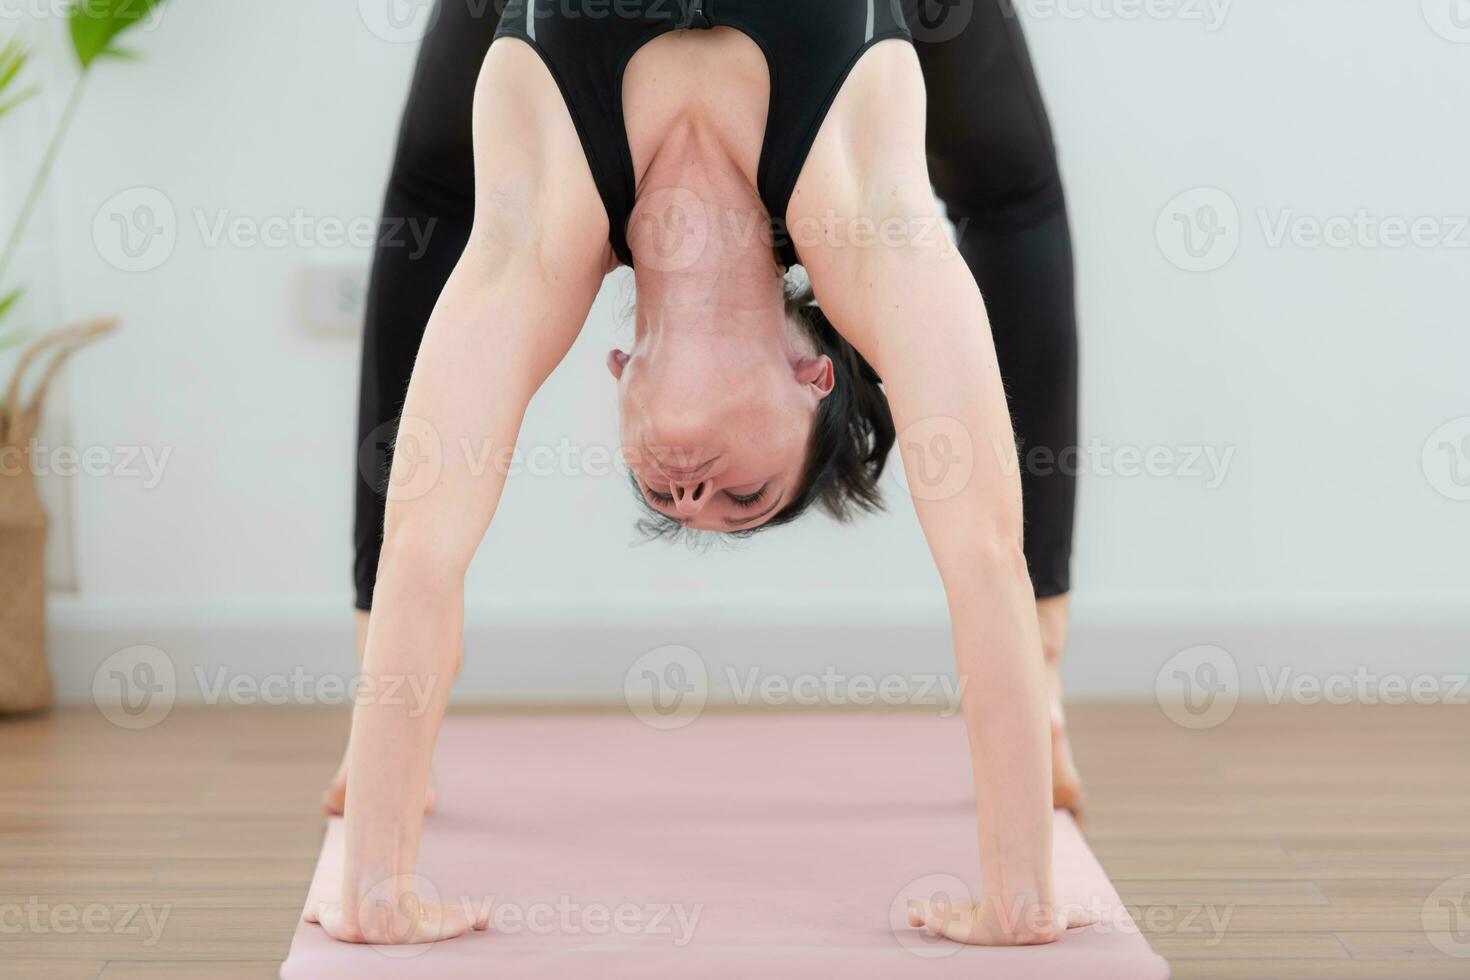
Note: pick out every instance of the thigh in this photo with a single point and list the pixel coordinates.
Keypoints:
(988, 134)
(435, 144)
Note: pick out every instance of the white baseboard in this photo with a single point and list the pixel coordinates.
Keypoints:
(553, 650)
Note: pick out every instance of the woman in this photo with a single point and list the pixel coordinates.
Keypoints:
(651, 139)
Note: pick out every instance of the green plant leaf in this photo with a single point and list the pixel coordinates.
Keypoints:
(13, 57)
(95, 24)
(19, 97)
(7, 338)
(9, 300)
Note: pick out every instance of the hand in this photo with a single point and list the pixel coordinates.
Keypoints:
(1022, 922)
(404, 922)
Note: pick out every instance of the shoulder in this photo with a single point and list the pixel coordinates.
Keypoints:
(869, 154)
(534, 192)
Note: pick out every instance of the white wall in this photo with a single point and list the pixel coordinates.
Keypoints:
(1323, 370)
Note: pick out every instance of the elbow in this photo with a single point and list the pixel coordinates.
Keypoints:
(420, 561)
(986, 557)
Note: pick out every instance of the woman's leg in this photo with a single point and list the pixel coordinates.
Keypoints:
(994, 165)
(433, 184)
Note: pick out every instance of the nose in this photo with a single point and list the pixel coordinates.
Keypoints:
(690, 498)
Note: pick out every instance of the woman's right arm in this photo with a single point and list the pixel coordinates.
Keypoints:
(515, 302)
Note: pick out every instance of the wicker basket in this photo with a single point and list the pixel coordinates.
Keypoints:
(25, 679)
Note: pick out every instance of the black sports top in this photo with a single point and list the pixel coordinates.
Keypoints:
(810, 46)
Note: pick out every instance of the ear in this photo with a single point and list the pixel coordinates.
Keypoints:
(818, 373)
(616, 361)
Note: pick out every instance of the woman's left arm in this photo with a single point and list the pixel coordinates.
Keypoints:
(885, 271)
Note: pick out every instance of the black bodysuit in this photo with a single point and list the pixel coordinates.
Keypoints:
(810, 47)
(991, 158)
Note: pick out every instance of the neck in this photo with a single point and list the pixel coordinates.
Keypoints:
(700, 241)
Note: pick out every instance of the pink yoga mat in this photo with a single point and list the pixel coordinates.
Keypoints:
(764, 846)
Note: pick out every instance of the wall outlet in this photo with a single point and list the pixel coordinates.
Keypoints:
(333, 298)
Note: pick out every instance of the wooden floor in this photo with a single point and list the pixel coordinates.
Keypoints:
(1290, 842)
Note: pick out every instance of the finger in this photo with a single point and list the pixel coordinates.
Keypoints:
(451, 922)
(948, 919)
(1076, 917)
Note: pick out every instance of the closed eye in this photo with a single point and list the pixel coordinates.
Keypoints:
(752, 500)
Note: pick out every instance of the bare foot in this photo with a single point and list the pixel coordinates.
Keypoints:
(334, 800)
(992, 923)
(1066, 783)
(1053, 615)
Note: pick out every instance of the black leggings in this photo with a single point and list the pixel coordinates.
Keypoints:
(993, 165)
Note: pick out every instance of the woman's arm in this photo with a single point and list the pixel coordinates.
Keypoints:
(507, 316)
(890, 279)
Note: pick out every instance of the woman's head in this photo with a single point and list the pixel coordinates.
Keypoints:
(743, 423)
